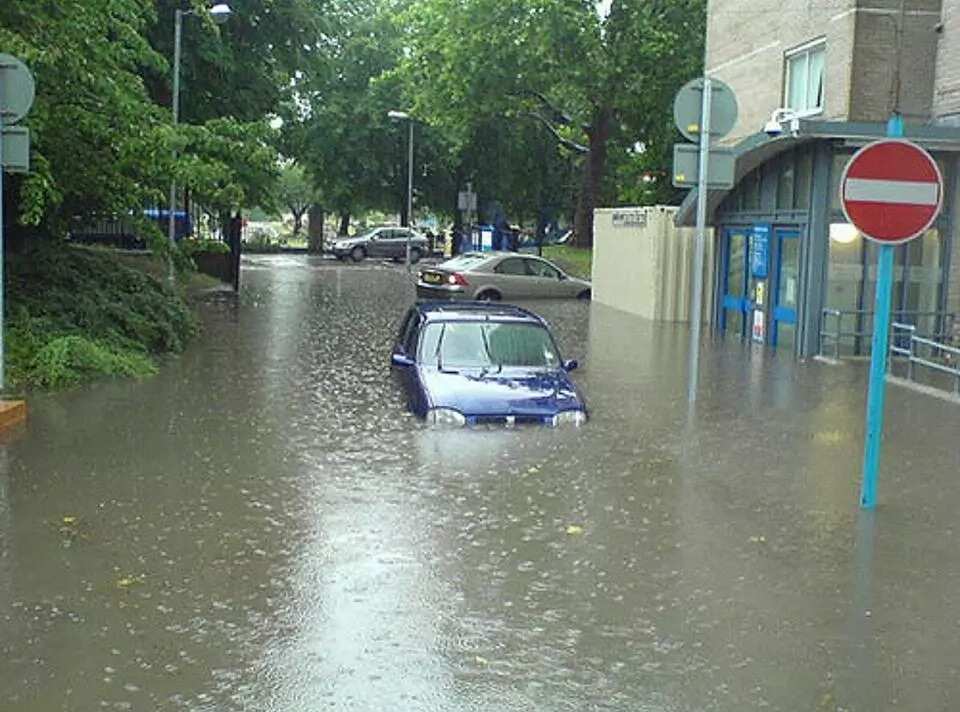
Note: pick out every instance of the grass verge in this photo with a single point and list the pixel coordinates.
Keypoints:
(77, 314)
(576, 261)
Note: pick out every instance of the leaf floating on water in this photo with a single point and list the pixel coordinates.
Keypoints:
(481, 660)
(574, 529)
(125, 582)
(68, 520)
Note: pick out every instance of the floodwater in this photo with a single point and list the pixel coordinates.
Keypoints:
(262, 527)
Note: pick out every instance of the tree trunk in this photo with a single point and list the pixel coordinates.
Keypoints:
(315, 219)
(344, 223)
(297, 222)
(593, 169)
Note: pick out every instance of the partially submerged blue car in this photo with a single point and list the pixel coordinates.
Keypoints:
(470, 363)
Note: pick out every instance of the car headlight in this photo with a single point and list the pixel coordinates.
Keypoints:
(570, 417)
(446, 417)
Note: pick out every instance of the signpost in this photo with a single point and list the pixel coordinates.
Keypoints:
(17, 91)
(686, 167)
(703, 110)
(892, 191)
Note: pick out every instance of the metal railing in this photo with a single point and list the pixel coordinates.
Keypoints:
(855, 328)
(925, 353)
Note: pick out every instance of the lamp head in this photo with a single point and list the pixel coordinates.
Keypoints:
(220, 13)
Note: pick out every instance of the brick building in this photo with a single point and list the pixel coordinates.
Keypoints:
(838, 69)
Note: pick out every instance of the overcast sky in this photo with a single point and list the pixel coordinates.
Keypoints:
(603, 7)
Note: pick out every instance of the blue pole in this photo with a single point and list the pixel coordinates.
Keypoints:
(878, 358)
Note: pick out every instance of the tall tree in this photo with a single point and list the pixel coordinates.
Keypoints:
(296, 194)
(339, 129)
(598, 82)
(102, 136)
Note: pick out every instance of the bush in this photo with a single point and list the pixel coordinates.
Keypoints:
(75, 314)
(197, 247)
(67, 360)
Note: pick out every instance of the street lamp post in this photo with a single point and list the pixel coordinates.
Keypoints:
(404, 116)
(220, 13)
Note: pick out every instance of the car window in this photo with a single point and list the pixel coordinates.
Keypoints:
(512, 266)
(429, 343)
(488, 345)
(521, 345)
(410, 335)
(539, 268)
(409, 321)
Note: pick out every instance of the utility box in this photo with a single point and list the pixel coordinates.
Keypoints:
(643, 263)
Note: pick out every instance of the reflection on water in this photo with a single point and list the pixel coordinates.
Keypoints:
(263, 527)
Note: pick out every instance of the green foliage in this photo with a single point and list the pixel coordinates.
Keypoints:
(605, 83)
(295, 191)
(192, 248)
(101, 125)
(99, 144)
(354, 153)
(576, 261)
(68, 360)
(75, 313)
(262, 242)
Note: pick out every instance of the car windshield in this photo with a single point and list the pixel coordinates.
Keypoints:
(476, 344)
(366, 234)
(465, 262)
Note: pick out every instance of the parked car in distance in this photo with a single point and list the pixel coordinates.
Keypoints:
(384, 242)
(492, 276)
(477, 363)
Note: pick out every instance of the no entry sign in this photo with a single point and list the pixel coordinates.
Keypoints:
(891, 190)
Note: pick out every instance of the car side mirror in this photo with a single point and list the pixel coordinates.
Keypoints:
(571, 365)
(561, 276)
(401, 360)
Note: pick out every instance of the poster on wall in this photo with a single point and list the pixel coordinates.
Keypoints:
(760, 251)
(759, 330)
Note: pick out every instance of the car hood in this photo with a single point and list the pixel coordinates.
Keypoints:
(511, 392)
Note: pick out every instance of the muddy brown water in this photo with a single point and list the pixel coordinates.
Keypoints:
(263, 527)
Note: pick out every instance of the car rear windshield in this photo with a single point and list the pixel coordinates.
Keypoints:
(464, 262)
(484, 344)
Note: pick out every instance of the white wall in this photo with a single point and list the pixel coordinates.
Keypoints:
(642, 263)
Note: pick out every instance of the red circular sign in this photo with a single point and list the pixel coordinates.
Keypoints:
(891, 190)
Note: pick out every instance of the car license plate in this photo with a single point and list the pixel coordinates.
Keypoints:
(432, 278)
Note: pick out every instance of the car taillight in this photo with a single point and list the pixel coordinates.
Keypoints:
(458, 278)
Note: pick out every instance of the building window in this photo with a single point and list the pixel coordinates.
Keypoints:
(804, 80)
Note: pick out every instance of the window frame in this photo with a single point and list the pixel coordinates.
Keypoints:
(523, 264)
(808, 50)
(530, 261)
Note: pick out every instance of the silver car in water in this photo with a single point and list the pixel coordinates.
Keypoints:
(499, 275)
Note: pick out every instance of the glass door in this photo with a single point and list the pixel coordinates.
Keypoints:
(787, 289)
(734, 302)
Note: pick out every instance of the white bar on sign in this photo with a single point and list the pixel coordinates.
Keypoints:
(891, 191)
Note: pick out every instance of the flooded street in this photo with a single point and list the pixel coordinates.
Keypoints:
(263, 527)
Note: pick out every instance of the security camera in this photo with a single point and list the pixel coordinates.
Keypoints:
(774, 127)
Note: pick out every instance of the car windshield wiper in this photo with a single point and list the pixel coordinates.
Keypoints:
(443, 331)
(486, 347)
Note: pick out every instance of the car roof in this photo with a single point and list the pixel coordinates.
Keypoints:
(499, 253)
(474, 311)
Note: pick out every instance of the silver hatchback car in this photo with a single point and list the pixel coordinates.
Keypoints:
(499, 275)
